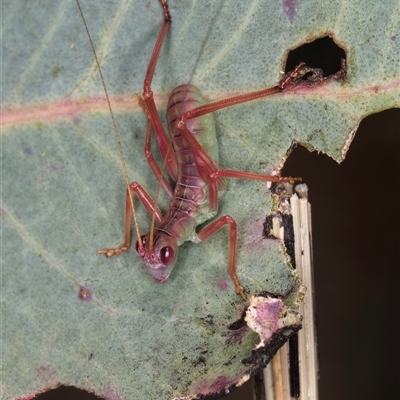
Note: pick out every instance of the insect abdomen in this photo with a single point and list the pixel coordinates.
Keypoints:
(184, 98)
(190, 204)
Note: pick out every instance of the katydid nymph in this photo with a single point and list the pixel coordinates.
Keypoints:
(190, 156)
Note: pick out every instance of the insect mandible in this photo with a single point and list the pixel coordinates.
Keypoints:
(190, 156)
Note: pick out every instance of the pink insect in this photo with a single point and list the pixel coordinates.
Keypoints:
(190, 156)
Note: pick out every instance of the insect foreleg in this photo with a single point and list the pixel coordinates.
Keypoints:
(214, 227)
(150, 206)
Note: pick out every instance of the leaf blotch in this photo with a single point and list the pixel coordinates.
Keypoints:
(85, 293)
(56, 71)
(223, 284)
(289, 7)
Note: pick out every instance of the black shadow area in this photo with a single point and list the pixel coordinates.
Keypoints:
(355, 212)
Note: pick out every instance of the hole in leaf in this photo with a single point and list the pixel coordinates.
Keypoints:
(322, 53)
(67, 393)
(238, 324)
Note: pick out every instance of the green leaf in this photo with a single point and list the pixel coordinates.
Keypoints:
(75, 318)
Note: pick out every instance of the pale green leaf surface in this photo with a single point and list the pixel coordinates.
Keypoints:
(63, 189)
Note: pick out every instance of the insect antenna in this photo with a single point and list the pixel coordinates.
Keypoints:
(117, 136)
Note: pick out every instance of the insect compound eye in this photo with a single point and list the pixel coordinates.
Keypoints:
(167, 255)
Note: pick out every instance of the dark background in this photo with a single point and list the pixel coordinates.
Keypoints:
(355, 211)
